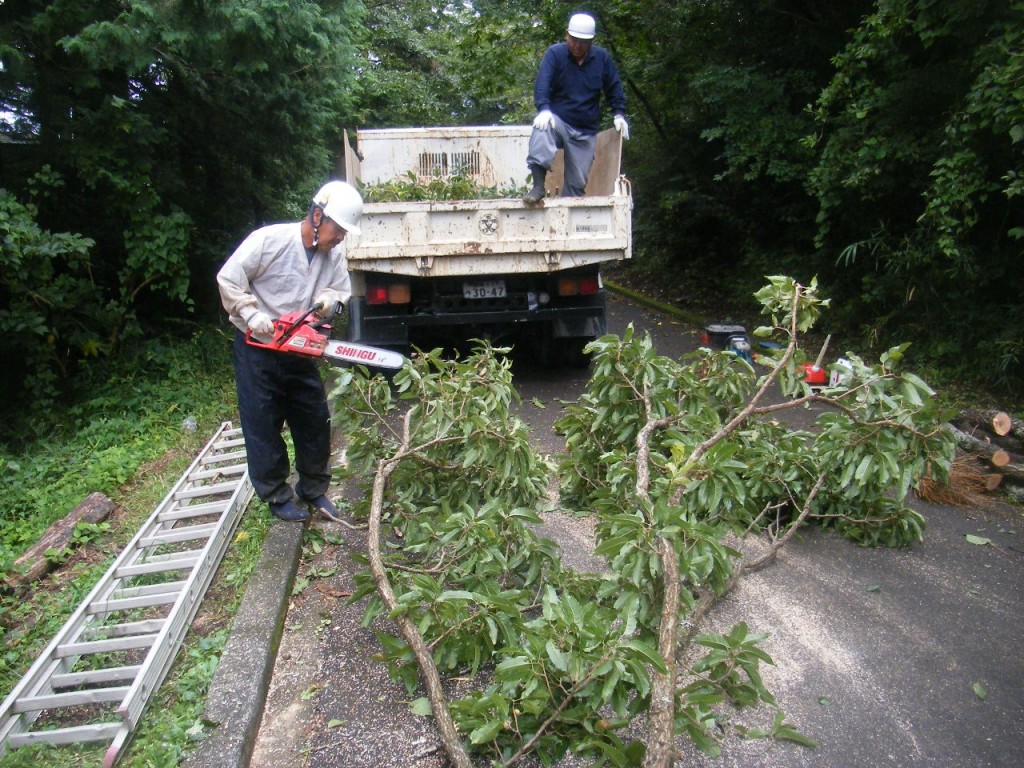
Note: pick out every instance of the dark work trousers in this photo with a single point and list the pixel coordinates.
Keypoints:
(275, 388)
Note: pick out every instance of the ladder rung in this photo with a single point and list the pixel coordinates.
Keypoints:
(144, 627)
(193, 510)
(222, 457)
(73, 735)
(128, 603)
(151, 589)
(206, 474)
(176, 535)
(159, 566)
(105, 646)
(216, 489)
(71, 699)
(93, 676)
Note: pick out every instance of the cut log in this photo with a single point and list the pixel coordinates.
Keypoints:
(1002, 423)
(34, 563)
(993, 481)
(1002, 461)
(1013, 472)
(981, 448)
(972, 444)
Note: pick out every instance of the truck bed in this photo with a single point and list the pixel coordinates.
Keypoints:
(483, 268)
(471, 237)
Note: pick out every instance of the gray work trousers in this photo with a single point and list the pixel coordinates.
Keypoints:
(579, 154)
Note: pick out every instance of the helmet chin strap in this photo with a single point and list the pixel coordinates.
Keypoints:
(316, 227)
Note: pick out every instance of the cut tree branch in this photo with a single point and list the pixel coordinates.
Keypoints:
(428, 669)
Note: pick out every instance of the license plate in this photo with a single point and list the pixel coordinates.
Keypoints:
(484, 289)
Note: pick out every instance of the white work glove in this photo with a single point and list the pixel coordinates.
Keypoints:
(544, 121)
(261, 324)
(622, 126)
(326, 300)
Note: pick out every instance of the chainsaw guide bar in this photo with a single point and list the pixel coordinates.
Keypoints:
(300, 333)
(348, 352)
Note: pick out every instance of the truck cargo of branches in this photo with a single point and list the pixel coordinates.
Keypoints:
(430, 271)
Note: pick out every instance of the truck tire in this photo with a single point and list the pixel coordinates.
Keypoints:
(568, 352)
(572, 352)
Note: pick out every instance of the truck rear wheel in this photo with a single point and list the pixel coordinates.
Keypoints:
(562, 352)
(573, 355)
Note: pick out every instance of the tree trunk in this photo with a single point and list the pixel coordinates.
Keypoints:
(34, 563)
(661, 733)
(428, 669)
(978, 447)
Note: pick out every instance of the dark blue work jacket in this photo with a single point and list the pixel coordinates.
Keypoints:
(573, 91)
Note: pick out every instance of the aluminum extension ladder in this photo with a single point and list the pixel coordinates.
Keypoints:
(95, 677)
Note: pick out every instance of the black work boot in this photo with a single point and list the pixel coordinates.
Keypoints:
(536, 194)
(289, 510)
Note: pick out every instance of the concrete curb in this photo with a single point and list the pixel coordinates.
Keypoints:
(668, 309)
(238, 691)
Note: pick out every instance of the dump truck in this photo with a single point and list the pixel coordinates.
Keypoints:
(448, 271)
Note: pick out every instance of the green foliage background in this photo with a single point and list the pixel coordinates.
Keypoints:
(875, 145)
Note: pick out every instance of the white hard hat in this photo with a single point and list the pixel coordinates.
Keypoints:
(582, 26)
(341, 203)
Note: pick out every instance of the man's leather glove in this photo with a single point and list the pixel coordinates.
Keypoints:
(622, 126)
(544, 121)
(260, 323)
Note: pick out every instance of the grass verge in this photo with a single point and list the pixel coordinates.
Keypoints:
(129, 439)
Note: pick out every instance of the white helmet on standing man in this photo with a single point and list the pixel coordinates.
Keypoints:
(582, 26)
(341, 203)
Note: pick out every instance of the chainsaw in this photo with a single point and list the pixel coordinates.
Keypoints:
(301, 333)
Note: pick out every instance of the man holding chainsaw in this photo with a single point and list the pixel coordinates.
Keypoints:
(280, 269)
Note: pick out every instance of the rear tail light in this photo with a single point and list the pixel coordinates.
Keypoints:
(376, 294)
(388, 293)
(399, 293)
(579, 286)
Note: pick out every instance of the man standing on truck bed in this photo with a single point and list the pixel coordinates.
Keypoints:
(278, 269)
(567, 94)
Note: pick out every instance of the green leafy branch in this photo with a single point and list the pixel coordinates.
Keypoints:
(673, 458)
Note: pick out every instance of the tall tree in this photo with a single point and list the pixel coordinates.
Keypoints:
(450, 63)
(718, 97)
(163, 131)
(919, 179)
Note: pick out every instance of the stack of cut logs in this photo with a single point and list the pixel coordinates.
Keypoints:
(995, 439)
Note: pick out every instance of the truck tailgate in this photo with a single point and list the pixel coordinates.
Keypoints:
(492, 236)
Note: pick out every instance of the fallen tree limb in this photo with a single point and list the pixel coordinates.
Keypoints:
(424, 658)
(661, 731)
(35, 563)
